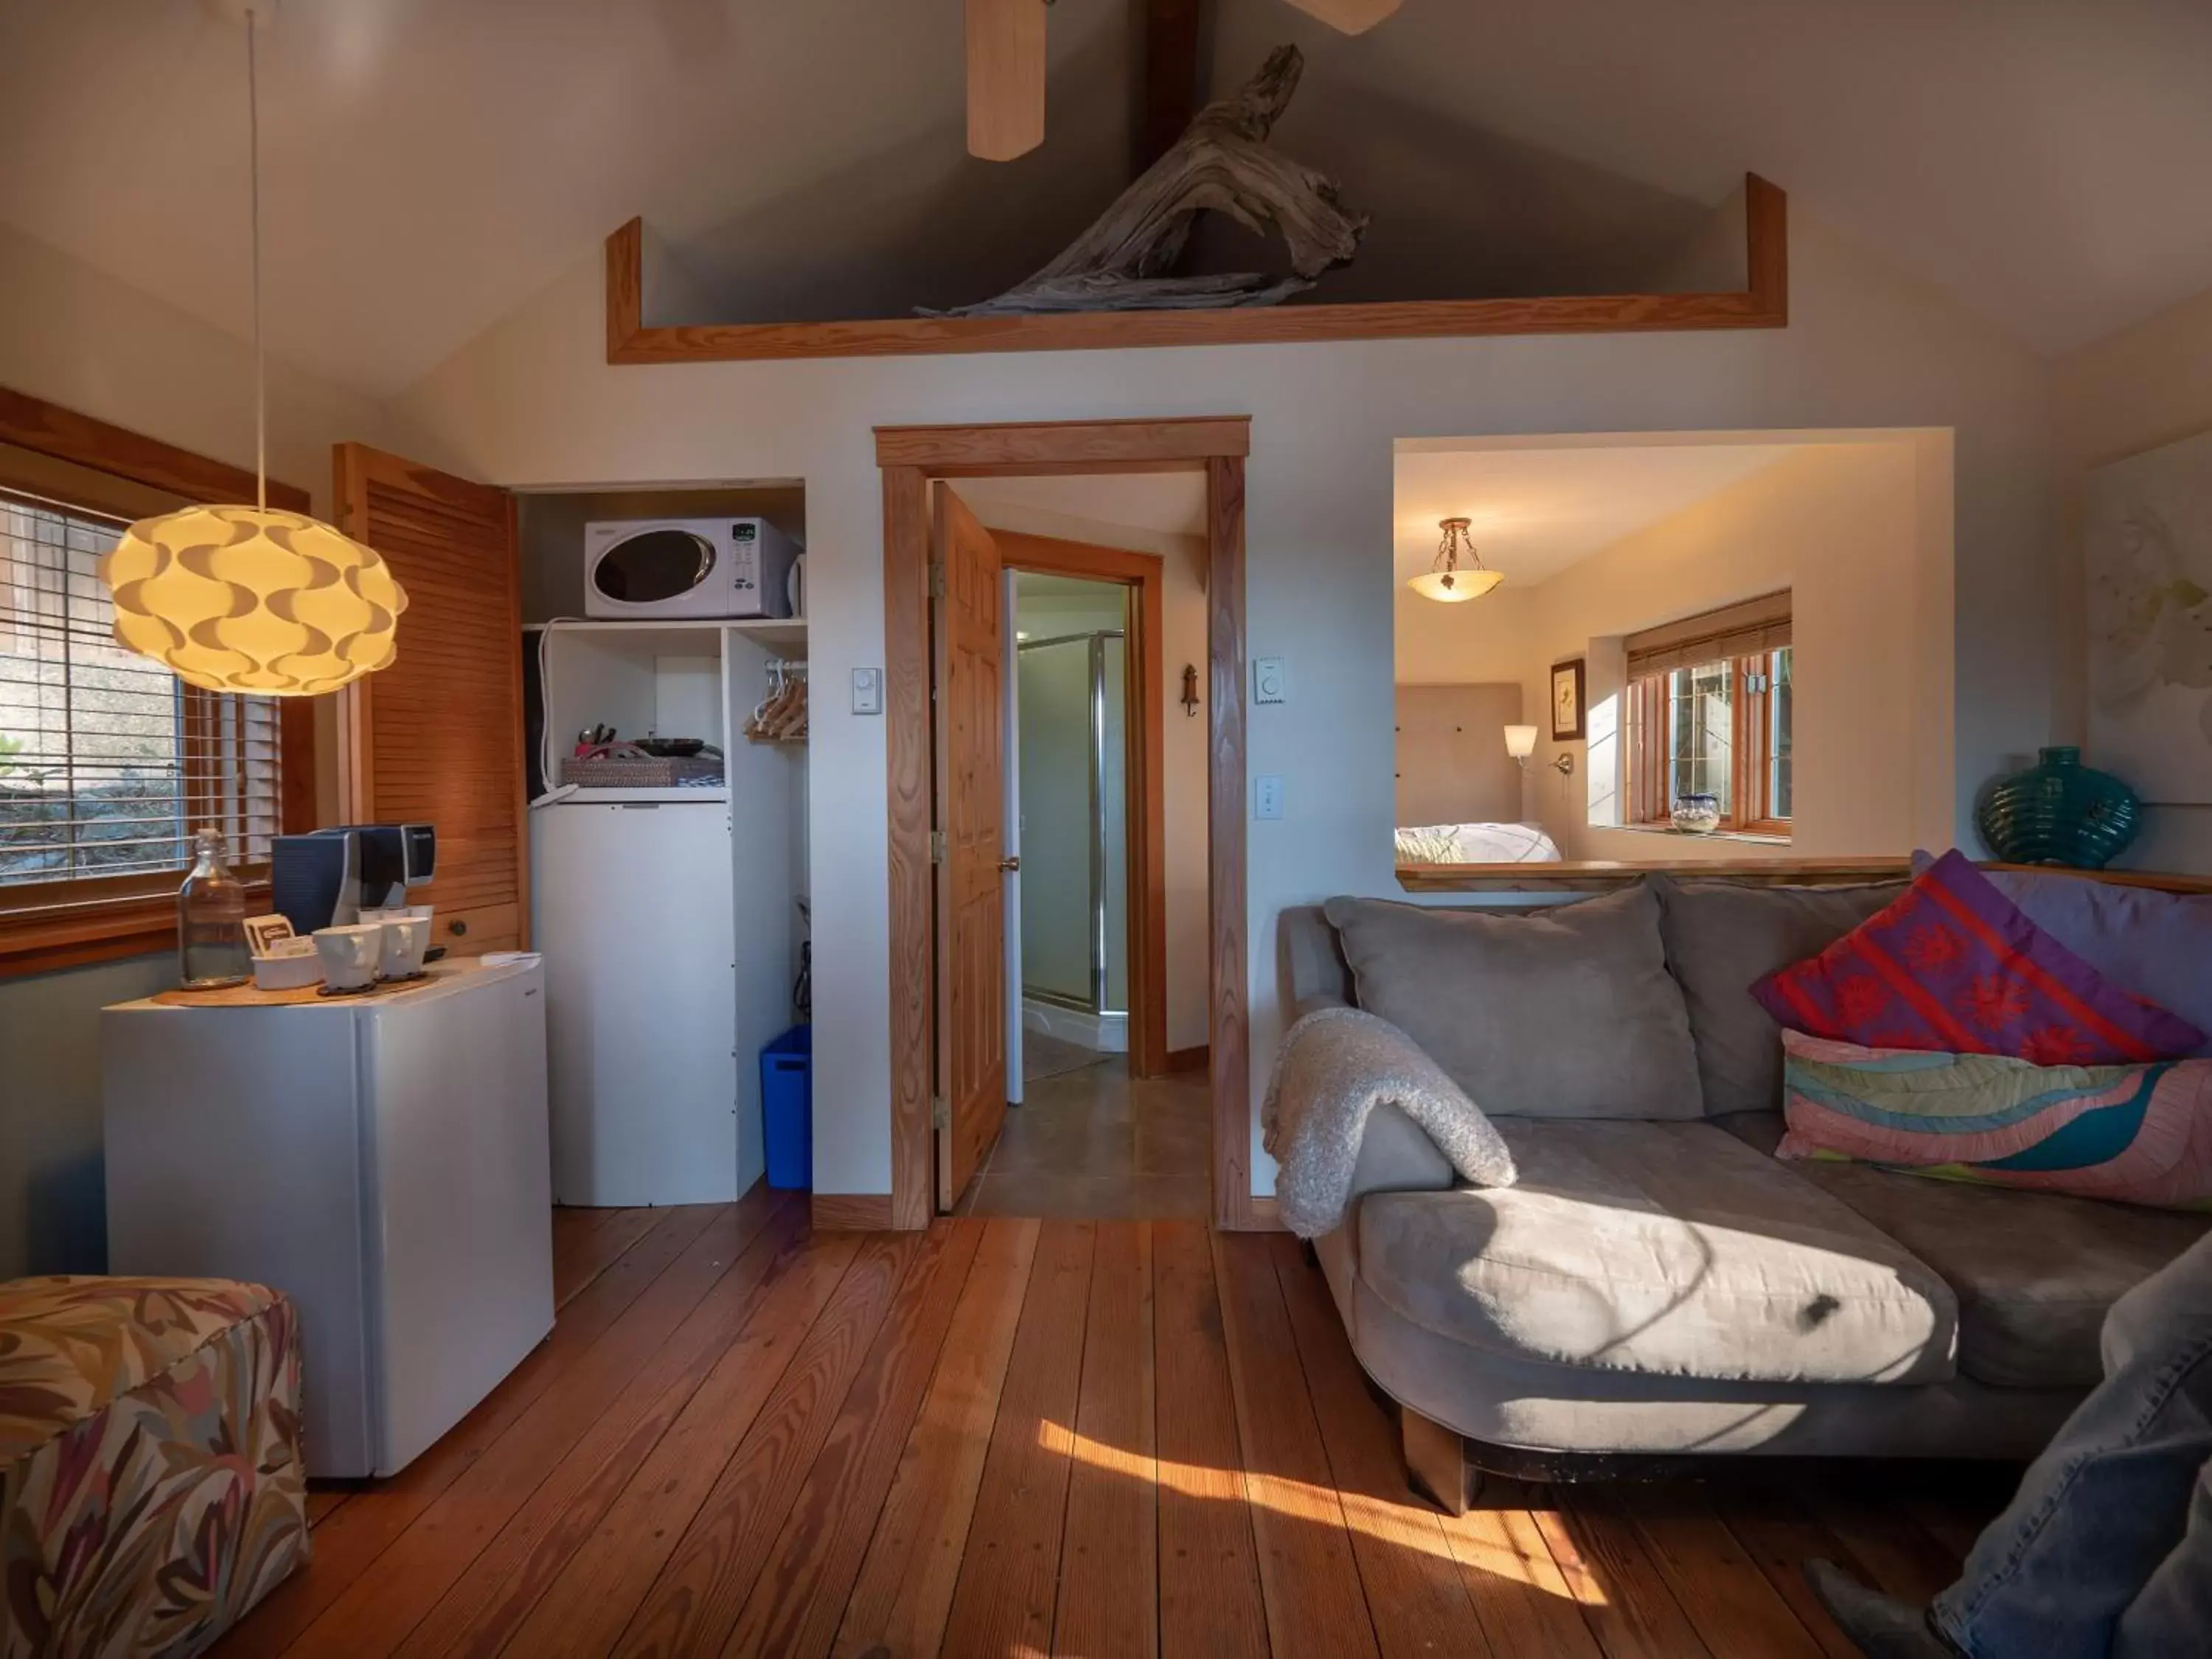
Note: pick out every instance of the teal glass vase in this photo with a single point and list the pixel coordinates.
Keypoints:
(2059, 811)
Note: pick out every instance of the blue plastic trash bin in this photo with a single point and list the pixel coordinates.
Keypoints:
(787, 1109)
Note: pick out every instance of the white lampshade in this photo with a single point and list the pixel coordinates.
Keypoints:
(1454, 585)
(1520, 741)
(242, 598)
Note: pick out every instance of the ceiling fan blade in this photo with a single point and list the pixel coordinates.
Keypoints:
(1352, 17)
(1006, 77)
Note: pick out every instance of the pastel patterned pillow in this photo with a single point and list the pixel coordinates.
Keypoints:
(1952, 966)
(2138, 1134)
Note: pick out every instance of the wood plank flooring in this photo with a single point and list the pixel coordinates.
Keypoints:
(1015, 1437)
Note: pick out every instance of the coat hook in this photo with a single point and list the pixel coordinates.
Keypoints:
(1189, 689)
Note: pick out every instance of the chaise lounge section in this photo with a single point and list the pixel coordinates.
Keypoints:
(1655, 1284)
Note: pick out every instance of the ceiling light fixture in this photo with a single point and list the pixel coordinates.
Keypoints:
(1446, 581)
(246, 598)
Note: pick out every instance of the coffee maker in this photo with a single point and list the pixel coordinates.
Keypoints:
(327, 878)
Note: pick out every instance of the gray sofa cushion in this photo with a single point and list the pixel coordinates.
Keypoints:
(1720, 937)
(1568, 1012)
(2034, 1273)
(1665, 1248)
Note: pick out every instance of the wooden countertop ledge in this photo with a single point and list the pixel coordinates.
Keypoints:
(1605, 875)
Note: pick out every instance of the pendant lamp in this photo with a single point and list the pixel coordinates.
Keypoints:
(248, 599)
(1446, 580)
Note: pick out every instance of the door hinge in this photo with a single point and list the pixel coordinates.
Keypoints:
(940, 1112)
(937, 847)
(936, 581)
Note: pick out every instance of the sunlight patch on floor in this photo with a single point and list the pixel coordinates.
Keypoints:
(1402, 1525)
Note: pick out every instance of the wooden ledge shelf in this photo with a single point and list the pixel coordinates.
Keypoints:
(1764, 303)
(1605, 875)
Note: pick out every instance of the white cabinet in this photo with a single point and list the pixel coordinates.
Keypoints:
(383, 1161)
(668, 917)
(634, 919)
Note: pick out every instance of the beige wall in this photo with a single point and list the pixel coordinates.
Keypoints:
(90, 344)
(1843, 524)
(1452, 764)
(534, 401)
(1835, 524)
(2140, 389)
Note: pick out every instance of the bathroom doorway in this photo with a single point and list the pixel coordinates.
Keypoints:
(1068, 945)
(1103, 929)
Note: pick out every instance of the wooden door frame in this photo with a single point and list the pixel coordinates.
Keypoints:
(910, 458)
(1145, 727)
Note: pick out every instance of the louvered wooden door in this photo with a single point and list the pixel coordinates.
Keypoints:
(972, 911)
(437, 737)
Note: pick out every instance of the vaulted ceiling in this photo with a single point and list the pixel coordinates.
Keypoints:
(430, 164)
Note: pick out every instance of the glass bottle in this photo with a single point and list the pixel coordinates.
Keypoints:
(211, 920)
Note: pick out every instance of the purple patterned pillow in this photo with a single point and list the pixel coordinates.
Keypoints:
(2158, 946)
(1954, 967)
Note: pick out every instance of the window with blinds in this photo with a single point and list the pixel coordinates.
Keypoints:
(108, 762)
(1709, 711)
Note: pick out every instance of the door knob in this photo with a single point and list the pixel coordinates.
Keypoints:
(1012, 864)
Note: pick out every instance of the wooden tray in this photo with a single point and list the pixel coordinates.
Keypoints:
(250, 995)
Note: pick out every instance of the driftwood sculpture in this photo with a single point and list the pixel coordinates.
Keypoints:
(1222, 161)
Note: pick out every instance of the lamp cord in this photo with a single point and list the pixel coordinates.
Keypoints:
(260, 367)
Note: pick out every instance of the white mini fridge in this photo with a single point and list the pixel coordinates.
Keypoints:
(383, 1161)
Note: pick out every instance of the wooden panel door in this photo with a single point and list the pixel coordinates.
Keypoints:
(972, 911)
(437, 737)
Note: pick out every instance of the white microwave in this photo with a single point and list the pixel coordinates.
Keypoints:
(686, 567)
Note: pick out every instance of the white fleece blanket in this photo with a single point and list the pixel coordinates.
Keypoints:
(1335, 1067)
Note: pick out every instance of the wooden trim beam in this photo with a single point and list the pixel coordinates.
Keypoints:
(1606, 875)
(1229, 1028)
(1170, 94)
(851, 1212)
(1043, 447)
(907, 741)
(32, 423)
(1763, 303)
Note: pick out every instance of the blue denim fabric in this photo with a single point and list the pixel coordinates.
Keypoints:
(2106, 1550)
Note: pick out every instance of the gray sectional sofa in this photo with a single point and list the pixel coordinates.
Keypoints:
(1656, 1282)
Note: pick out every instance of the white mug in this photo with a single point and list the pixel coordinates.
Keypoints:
(350, 955)
(400, 950)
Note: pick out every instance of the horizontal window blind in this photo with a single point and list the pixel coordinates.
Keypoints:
(1737, 630)
(108, 762)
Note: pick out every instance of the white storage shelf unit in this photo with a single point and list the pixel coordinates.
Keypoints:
(668, 917)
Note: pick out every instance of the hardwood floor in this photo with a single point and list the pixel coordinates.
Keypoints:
(1023, 1437)
(1094, 1144)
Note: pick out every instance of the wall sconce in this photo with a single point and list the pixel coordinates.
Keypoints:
(1521, 742)
(1190, 690)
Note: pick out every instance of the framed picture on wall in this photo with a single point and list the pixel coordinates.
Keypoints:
(1567, 701)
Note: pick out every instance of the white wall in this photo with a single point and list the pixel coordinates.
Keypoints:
(2140, 389)
(534, 401)
(84, 341)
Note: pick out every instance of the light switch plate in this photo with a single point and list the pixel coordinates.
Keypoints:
(1269, 682)
(867, 690)
(1266, 796)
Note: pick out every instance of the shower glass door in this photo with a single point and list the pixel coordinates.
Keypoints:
(1075, 918)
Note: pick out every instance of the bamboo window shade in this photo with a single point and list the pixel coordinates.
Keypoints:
(1735, 630)
(108, 763)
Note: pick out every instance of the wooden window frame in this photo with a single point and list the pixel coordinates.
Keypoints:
(48, 925)
(1646, 755)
